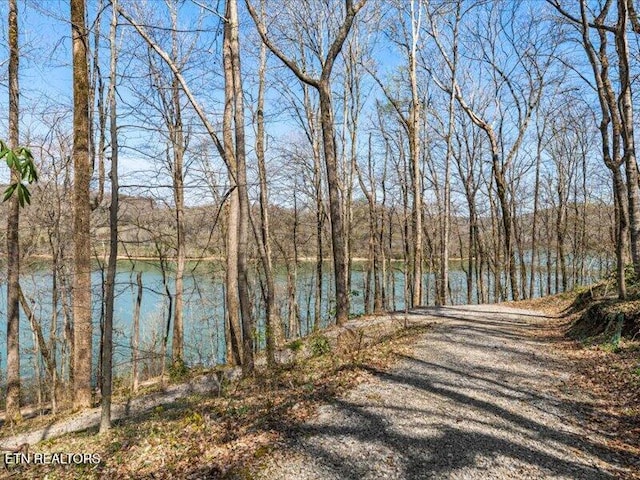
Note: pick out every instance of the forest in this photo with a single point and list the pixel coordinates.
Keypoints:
(192, 183)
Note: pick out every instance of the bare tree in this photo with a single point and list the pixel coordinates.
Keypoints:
(272, 325)
(164, 96)
(234, 322)
(408, 39)
(323, 85)
(610, 121)
(375, 226)
(82, 211)
(107, 353)
(625, 102)
(234, 92)
(13, 240)
(451, 61)
(176, 133)
(234, 159)
(524, 94)
(616, 109)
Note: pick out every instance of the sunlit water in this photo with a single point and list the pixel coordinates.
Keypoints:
(203, 307)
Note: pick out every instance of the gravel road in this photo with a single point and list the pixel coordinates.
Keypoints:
(480, 397)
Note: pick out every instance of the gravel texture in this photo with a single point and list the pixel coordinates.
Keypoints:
(480, 397)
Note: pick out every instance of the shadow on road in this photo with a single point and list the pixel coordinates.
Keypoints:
(484, 418)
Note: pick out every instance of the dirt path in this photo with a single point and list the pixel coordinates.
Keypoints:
(480, 397)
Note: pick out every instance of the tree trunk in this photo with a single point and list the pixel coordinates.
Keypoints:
(627, 130)
(107, 353)
(82, 210)
(441, 298)
(319, 210)
(519, 245)
(13, 220)
(47, 353)
(335, 210)
(317, 179)
(561, 215)
(135, 335)
(416, 175)
(507, 222)
(495, 261)
(534, 227)
(372, 272)
(97, 93)
(234, 342)
(292, 277)
(622, 233)
(272, 333)
(176, 135)
(177, 344)
(53, 327)
(231, 30)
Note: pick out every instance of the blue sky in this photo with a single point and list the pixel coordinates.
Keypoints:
(45, 73)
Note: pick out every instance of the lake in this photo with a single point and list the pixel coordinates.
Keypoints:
(203, 307)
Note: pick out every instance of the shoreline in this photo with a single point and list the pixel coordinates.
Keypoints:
(142, 258)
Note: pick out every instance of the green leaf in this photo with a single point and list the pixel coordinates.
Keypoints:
(21, 194)
(12, 160)
(33, 173)
(26, 153)
(27, 195)
(24, 170)
(21, 161)
(9, 191)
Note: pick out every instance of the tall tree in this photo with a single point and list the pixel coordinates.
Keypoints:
(617, 113)
(13, 220)
(513, 93)
(408, 41)
(234, 323)
(322, 84)
(82, 336)
(272, 325)
(413, 126)
(625, 102)
(107, 352)
(610, 124)
(443, 278)
(376, 259)
(232, 155)
(176, 134)
(231, 31)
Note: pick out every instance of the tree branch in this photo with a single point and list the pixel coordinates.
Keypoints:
(343, 32)
(556, 4)
(185, 87)
(293, 66)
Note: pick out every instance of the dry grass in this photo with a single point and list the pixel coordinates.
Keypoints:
(552, 305)
(218, 437)
(609, 374)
